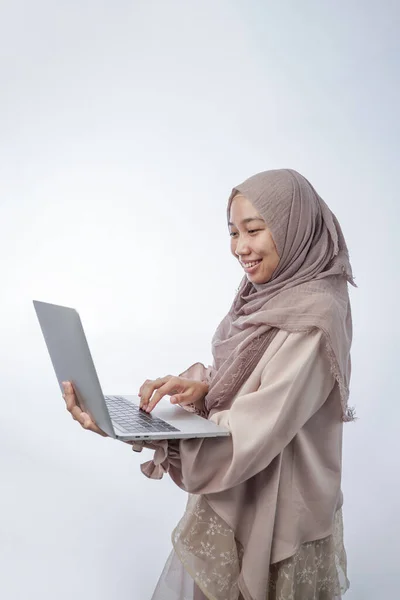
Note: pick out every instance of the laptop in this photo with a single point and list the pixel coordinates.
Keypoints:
(117, 415)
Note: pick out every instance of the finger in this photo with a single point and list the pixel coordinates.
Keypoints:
(84, 419)
(141, 389)
(76, 413)
(69, 395)
(184, 398)
(137, 445)
(91, 426)
(86, 422)
(166, 389)
(148, 388)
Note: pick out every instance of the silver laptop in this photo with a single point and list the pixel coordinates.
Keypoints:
(119, 416)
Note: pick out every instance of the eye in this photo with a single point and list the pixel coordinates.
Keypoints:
(232, 234)
(254, 230)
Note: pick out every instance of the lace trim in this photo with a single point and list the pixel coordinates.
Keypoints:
(316, 571)
(207, 548)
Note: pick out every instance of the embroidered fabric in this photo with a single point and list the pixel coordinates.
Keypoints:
(210, 557)
(207, 549)
(316, 572)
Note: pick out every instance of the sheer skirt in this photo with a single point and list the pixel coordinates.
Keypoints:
(206, 560)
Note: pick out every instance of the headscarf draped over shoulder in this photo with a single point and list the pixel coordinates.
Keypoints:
(307, 290)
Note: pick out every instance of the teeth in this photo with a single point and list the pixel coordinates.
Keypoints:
(251, 264)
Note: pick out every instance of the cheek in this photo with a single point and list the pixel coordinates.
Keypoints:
(267, 247)
(273, 261)
(262, 247)
(271, 258)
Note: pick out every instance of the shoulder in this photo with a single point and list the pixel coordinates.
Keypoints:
(288, 341)
(291, 352)
(296, 365)
(319, 301)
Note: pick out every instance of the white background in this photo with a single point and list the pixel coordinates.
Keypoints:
(123, 127)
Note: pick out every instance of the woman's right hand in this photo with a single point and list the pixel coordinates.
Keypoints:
(182, 391)
(77, 413)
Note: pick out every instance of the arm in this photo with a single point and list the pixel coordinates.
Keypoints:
(295, 383)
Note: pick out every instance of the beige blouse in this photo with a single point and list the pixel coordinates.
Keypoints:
(303, 490)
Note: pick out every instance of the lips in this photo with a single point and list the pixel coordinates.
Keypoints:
(250, 263)
(253, 268)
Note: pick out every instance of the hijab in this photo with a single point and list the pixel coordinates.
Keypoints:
(307, 290)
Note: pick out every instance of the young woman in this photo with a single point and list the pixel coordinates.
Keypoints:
(263, 519)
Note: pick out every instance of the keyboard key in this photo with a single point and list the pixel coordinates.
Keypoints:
(131, 418)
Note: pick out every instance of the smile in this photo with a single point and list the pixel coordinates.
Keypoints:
(250, 264)
(250, 267)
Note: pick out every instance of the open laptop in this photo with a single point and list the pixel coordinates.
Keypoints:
(118, 416)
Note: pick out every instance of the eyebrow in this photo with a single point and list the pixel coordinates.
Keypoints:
(247, 221)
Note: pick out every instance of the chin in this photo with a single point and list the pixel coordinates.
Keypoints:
(259, 280)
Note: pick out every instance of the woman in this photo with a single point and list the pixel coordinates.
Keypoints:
(263, 519)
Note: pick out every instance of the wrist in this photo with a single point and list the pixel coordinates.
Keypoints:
(206, 388)
(200, 401)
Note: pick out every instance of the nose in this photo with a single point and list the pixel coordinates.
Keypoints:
(242, 247)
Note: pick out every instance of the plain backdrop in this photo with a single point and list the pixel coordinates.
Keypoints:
(123, 127)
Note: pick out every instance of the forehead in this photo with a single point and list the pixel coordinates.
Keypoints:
(241, 209)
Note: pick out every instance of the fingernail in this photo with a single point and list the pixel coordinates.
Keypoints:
(173, 400)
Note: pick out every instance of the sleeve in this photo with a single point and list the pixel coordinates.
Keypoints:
(295, 383)
(198, 372)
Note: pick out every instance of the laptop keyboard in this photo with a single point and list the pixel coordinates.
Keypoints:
(130, 418)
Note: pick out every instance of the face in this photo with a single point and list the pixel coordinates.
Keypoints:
(251, 241)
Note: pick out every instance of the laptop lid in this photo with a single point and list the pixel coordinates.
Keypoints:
(70, 355)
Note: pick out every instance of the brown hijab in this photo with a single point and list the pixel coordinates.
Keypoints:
(307, 290)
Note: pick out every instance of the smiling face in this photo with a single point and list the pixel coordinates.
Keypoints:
(251, 241)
